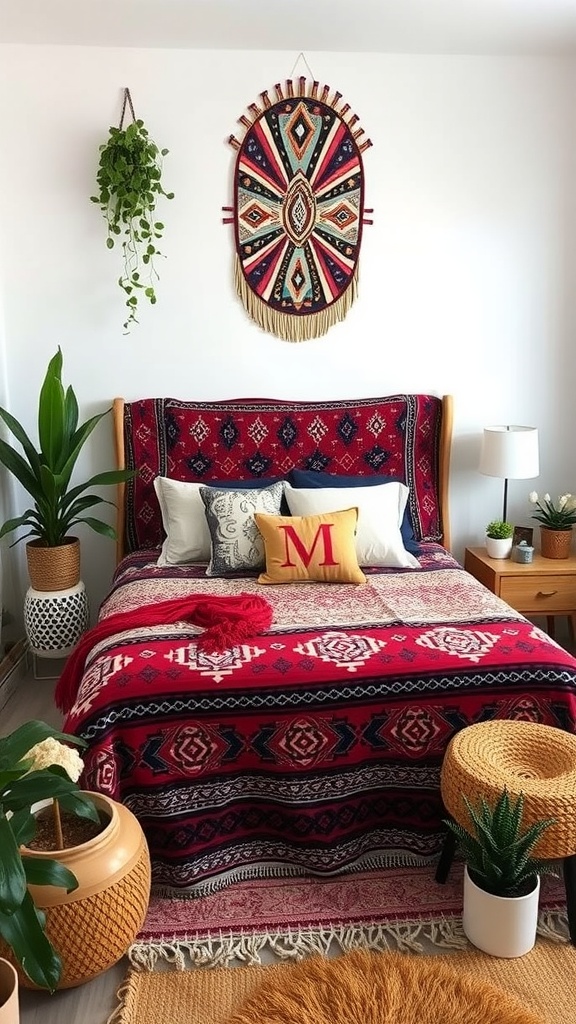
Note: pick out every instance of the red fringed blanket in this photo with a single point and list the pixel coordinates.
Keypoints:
(226, 621)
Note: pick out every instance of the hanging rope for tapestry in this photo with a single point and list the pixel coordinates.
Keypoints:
(298, 210)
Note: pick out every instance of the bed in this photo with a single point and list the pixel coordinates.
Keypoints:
(315, 746)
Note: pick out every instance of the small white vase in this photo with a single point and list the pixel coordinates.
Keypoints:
(500, 925)
(498, 547)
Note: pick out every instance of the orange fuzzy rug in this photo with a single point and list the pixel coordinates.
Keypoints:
(535, 989)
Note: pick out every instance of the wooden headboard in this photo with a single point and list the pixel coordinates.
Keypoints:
(403, 436)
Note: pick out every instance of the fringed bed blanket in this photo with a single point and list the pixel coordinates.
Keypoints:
(314, 747)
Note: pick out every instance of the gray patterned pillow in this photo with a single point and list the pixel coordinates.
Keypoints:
(236, 542)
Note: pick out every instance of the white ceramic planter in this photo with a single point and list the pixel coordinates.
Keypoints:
(500, 925)
(497, 547)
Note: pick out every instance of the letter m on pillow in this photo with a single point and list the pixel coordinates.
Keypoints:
(294, 543)
(303, 548)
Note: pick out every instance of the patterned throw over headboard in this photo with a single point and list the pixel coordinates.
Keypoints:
(402, 436)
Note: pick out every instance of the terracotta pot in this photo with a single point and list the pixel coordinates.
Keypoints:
(53, 568)
(555, 543)
(93, 926)
(9, 1012)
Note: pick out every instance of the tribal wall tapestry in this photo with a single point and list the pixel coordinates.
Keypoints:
(298, 210)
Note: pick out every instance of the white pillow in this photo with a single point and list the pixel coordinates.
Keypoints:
(380, 512)
(184, 522)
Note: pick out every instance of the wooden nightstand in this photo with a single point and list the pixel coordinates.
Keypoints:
(546, 586)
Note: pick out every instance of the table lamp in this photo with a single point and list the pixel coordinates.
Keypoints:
(510, 452)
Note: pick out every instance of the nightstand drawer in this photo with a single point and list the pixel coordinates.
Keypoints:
(540, 594)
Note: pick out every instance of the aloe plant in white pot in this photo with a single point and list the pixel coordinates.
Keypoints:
(499, 539)
(501, 877)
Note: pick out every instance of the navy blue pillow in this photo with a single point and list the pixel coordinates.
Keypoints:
(308, 478)
(242, 485)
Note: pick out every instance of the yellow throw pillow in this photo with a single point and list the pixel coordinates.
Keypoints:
(305, 548)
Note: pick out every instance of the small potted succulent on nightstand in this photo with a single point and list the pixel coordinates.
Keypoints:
(499, 539)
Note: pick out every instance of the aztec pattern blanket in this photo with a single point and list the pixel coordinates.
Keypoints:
(315, 747)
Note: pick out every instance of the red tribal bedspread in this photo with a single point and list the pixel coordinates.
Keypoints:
(316, 747)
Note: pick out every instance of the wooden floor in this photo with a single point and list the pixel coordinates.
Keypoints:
(94, 1002)
(91, 1003)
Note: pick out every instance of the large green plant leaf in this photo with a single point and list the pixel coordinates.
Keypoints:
(12, 877)
(79, 804)
(19, 468)
(111, 476)
(104, 529)
(20, 434)
(27, 519)
(24, 932)
(51, 418)
(77, 443)
(46, 871)
(35, 786)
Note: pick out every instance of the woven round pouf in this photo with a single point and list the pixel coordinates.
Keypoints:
(536, 760)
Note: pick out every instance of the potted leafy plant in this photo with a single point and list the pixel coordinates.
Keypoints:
(22, 785)
(556, 522)
(129, 183)
(45, 473)
(499, 538)
(501, 877)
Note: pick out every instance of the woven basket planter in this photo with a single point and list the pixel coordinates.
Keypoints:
(53, 568)
(555, 543)
(92, 927)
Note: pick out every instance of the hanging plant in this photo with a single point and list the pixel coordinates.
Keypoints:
(129, 181)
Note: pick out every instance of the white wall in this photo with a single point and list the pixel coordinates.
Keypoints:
(466, 277)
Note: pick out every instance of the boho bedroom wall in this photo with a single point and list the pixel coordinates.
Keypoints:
(466, 277)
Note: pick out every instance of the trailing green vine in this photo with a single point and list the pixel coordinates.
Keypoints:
(130, 182)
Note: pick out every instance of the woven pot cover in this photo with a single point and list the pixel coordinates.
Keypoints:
(93, 926)
(536, 760)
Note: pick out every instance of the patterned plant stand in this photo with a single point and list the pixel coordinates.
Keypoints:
(54, 620)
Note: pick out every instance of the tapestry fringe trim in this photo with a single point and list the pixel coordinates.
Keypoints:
(291, 326)
(407, 936)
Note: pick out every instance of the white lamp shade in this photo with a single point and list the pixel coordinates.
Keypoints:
(510, 452)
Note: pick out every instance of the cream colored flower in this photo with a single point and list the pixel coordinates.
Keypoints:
(49, 752)
(547, 497)
(533, 497)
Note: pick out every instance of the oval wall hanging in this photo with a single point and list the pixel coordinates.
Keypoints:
(298, 210)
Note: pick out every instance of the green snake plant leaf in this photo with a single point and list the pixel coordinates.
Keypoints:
(51, 412)
(24, 932)
(12, 877)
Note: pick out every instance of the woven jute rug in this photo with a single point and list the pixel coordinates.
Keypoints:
(252, 922)
(541, 984)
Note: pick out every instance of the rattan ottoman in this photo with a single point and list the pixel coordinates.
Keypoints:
(536, 760)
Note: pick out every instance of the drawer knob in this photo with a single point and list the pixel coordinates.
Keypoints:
(546, 593)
